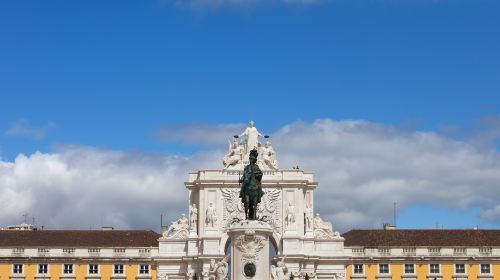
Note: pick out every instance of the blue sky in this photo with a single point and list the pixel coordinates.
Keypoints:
(110, 74)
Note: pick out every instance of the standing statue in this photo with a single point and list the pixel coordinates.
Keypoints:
(193, 216)
(211, 215)
(219, 270)
(279, 271)
(309, 218)
(290, 215)
(251, 189)
(252, 136)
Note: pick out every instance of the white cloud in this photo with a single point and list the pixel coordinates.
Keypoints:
(81, 187)
(362, 169)
(22, 128)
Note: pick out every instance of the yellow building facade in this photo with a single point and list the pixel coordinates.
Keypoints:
(78, 255)
(422, 254)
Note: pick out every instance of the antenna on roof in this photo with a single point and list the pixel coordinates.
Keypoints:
(394, 214)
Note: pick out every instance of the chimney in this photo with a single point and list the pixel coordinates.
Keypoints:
(389, 227)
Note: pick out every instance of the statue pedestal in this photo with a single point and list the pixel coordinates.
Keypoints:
(250, 250)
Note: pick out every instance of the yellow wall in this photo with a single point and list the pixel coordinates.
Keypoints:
(371, 271)
(55, 270)
(472, 271)
(421, 269)
(5, 271)
(80, 270)
(396, 271)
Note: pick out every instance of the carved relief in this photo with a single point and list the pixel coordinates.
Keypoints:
(250, 245)
(268, 208)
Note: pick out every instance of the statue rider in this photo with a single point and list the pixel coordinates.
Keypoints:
(251, 189)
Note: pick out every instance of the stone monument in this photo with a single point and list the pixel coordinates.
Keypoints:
(217, 236)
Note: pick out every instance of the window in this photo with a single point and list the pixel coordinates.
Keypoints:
(459, 268)
(485, 268)
(118, 269)
(144, 269)
(93, 269)
(68, 268)
(383, 268)
(409, 268)
(358, 268)
(43, 268)
(17, 269)
(434, 268)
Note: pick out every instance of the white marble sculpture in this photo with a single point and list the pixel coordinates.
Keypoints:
(252, 135)
(279, 271)
(290, 215)
(193, 216)
(221, 269)
(178, 229)
(324, 230)
(211, 215)
(308, 214)
(235, 154)
(268, 156)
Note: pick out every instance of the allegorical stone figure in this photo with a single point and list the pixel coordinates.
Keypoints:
(193, 216)
(252, 136)
(251, 189)
(211, 215)
(279, 271)
(309, 217)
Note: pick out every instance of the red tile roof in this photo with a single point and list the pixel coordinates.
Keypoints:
(427, 237)
(79, 238)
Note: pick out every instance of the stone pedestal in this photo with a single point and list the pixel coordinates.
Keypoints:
(250, 250)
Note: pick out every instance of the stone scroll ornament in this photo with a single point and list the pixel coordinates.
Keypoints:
(178, 229)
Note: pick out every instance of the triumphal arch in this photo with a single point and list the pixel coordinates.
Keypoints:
(200, 245)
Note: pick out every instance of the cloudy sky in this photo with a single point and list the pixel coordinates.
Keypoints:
(106, 105)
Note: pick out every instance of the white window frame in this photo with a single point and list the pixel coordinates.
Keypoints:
(485, 273)
(42, 274)
(354, 269)
(14, 269)
(409, 273)
(66, 273)
(139, 269)
(434, 273)
(455, 269)
(114, 269)
(388, 269)
(93, 274)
